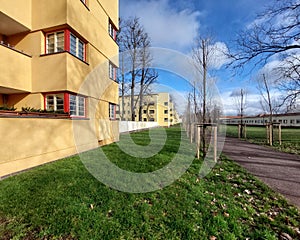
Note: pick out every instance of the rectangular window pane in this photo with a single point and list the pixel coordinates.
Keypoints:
(60, 41)
(112, 111)
(112, 31)
(112, 72)
(60, 102)
(77, 106)
(81, 50)
(73, 44)
(81, 106)
(72, 105)
(50, 43)
(55, 102)
(50, 103)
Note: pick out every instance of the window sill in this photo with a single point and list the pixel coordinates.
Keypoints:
(79, 118)
(116, 81)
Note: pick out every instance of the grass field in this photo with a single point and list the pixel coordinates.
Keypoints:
(62, 200)
(290, 137)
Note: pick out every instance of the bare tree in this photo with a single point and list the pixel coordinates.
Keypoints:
(203, 55)
(135, 42)
(239, 96)
(275, 33)
(268, 102)
(148, 76)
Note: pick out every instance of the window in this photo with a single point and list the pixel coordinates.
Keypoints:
(112, 30)
(112, 71)
(166, 103)
(166, 120)
(77, 106)
(65, 41)
(56, 42)
(145, 119)
(76, 47)
(166, 111)
(64, 102)
(151, 111)
(55, 102)
(112, 111)
(145, 111)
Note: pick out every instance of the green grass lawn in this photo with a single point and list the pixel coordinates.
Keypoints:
(290, 137)
(62, 200)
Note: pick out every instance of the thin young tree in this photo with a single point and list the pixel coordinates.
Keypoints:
(268, 101)
(265, 85)
(202, 54)
(239, 96)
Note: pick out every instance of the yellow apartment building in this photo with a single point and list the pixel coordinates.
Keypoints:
(49, 52)
(156, 108)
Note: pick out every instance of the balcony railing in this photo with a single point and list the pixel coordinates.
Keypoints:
(12, 47)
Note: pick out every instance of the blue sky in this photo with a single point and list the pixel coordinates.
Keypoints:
(174, 25)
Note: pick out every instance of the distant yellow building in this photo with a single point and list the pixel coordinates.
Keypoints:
(47, 50)
(156, 108)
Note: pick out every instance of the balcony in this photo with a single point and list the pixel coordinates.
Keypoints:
(12, 19)
(15, 69)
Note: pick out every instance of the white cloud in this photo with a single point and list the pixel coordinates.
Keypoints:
(166, 26)
(219, 57)
(252, 106)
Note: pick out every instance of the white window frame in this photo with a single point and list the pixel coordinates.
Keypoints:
(77, 50)
(112, 30)
(112, 111)
(112, 71)
(77, 112)
(55, 105)
(55, 49)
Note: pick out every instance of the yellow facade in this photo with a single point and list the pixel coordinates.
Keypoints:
(156, 108)
(55, 56)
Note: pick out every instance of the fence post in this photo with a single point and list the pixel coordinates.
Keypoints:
(215, 142)
(271, 134)
(279, 134)
(192, 132)
(198, 140)
(268, 135)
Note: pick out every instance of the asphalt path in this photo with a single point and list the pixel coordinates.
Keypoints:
(281, 171)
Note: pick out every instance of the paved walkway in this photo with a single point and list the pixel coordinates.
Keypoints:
(281, 171)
